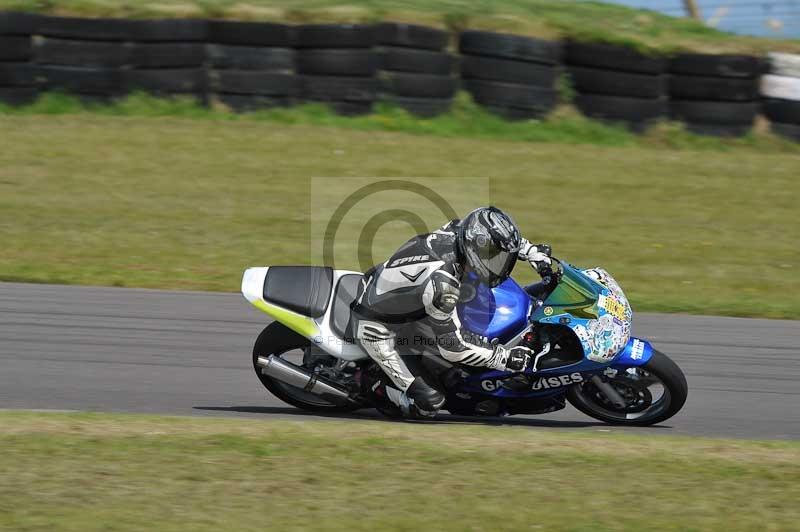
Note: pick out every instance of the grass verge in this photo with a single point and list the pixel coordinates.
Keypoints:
(129, 472)
(185, 203)
(596, 21)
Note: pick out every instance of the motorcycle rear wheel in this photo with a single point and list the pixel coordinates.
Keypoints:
(277, 339)
(659, 370)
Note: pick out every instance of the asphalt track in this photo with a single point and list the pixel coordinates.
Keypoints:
(131, 350)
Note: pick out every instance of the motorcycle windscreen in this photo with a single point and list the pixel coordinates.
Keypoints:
(575, 293)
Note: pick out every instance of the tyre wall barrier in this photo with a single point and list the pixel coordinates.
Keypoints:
(512, 76)
(617, 84)
(253, 65)
(337, 66)
(415, 71)
(715, 94)
(780, 90)
(18, 77)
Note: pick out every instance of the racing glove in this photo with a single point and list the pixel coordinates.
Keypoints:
(538, 255)
(516, 359)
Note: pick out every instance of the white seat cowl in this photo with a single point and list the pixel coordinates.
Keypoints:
(253, 283)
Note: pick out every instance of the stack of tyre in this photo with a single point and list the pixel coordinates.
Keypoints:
(510, 75)
(715, 94)
(167, 58)
(17, 75)
(780, 90)
(617, 83)
(415, 70)
(83, 57)
(337, 66)
(252, 64)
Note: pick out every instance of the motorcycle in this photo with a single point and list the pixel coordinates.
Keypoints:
(576, 322)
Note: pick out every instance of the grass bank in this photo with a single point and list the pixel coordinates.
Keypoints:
(126, 472)
(596, 21)
(185, 203)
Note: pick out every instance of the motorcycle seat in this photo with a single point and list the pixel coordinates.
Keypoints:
(302, 289)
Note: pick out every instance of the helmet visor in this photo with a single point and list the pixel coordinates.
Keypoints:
(493, 266)
(498, 263)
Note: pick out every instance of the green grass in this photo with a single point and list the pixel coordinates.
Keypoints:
(187, 202)
(83, 472)
(642, 29)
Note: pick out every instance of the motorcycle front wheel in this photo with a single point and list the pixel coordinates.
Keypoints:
(277, 339)
(653, 393)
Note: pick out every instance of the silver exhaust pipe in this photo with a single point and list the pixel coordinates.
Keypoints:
(298, 377)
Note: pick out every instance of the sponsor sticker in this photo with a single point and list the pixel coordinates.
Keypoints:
(548, 311)
(542, 383)
(637, 350)
(409, 260)
(613, 306)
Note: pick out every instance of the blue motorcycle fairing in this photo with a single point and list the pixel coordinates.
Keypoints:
(500, 312)
(637, 352)
(505, 311)
(552, 381)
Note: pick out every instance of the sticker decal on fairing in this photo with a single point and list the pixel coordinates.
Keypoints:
(603, 338)
(542, 383)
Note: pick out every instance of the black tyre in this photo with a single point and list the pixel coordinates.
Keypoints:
(508, 70)
(335, 36)
(242, 103)
(613, 83)
(612, 57)
(337, 62)
(411, 36)
(19, 75)
(782, 111)
(509, 47)
(634, 111)
(714, 89)
(250, 33)
(339, 89)
(18, 95)
(170, 30)
(166, 80)
(789, 131)
(646, 403)
(416, 61)
(511, 95)
(15, 48)
(167, 55)
(81, 80)
(254, 82)
(87, 29)
(87, 54)
(222, 57)
(726, 66)
(277, 339)
(14, 23)
(422, 107)
(419, 85)
(714, 113)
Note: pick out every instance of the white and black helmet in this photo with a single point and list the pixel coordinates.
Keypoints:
(488, 240)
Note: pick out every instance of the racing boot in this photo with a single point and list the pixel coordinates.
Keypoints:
(426, 399)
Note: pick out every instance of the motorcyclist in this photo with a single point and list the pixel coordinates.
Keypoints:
(422, 281)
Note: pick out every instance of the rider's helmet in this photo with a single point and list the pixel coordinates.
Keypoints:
(488, 242)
